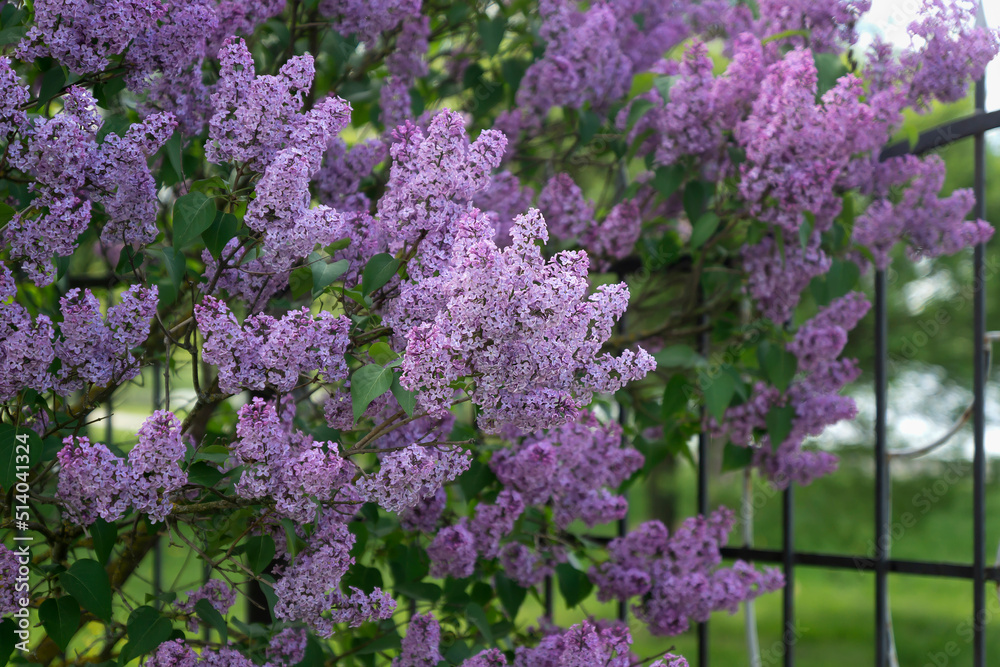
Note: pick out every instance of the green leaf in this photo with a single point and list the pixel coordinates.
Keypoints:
(475, 614)
(838, 281)
(675, 397)
(475, 479)
(779, 424)
(778, 364)
(211, 615)
(678, 356)
(260, 553)
(176, 265)
(8, 640)
(6, 213)
(52, 83)
(407, 399)
(127, 259)
(491, 31)
(147, 629)
(194, 213)
(420, 590)
(667, 180)
(806, 230)
(104, 534)
(694, 200)
(703, 229)
(573, 584)
(323, 274)
(735, 457)
(379, 270)
(719, 389)
(61, 619)
(87, 581)
(381, 353)
(510, 593)
(367, 384)
(590, 123)
(638, 109)
(222, 230)
(15, 442)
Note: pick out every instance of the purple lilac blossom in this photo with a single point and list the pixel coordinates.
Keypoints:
(453, 551)
(98, 351)
(411, 474)
(9, 567)
(26, 349)
(12, 96)
(153, 474)
(265, 351)
(420, 645)
(219, 595)
(367, 19)
(82, 34)
(92, 482)
(405, 64)
(572, 467)
(502, 201)
(677, 579)
(309, 590)
(288, 647)
(522, 325)
(298, 473)
(176, 653)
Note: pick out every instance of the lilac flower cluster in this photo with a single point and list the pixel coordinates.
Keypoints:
(285, 465)
(96, 350)
(501, 202)
(251, 281)
(420, 645)
(572, 467)
(309, 589)
(83, 36)
(677, 577)
(26, 350)
(948, 51)
(434, 176)
(405, 64)
(813, 395)
(583, 61)
(930, 225)
(452, 552)
(265, 351)
(93, 482)
(522, 326)
(67, 164)
(9, 566)
(219, 595)
(288, 647)
(830, 25)
(409, 475)
(12, 96)
(367, 19)
(176, 653)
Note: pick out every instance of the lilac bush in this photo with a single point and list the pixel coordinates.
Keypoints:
(426, 269)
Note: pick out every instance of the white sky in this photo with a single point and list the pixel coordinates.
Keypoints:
(890, 18)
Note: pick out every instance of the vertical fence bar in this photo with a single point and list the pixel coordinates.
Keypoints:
(788, 566)
(703, 442)
(979, 379)
(881, 470)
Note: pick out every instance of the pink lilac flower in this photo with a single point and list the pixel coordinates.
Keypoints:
(219, 595)
(522, 325)
(265, 351)
(677, 579)
(420, 644)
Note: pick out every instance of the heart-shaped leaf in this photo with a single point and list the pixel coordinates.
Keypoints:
(87, 581)
(61, 619)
